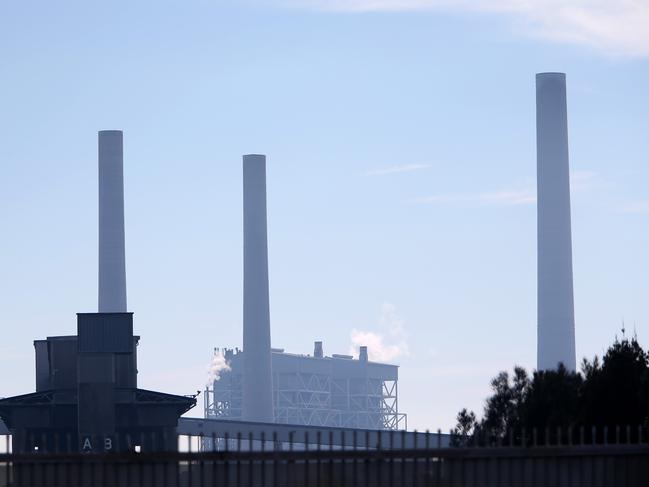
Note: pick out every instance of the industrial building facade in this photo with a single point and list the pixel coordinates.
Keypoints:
(86, 384)
(336, 391)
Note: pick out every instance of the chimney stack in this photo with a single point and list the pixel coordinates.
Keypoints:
(112, 262)
(362, 354)
(317, 350)
(555, 304)
(257, 400)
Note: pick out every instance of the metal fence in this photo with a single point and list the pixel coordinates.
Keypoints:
(509, 460)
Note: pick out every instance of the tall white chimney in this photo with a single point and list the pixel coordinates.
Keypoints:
(556, 316)
(112, 265)
(257, 400)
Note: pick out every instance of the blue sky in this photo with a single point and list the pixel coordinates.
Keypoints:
(401, 166)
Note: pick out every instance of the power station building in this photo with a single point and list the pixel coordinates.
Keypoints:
(265, 385)
(86, 394)
(86, 384)
(314, 390)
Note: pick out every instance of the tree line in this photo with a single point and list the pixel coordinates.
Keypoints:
(607, 394)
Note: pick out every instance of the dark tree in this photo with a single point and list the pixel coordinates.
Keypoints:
(503, 408)
(465, 429)
(616, 393)
(552, 400)
(612, 393)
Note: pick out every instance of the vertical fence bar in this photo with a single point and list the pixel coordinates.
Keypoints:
(226, 459)
(581, 458)
(67, 464)
(438, 468)
(79, 475)
(391, 468)
(330, 482)
(275, 460)
(460, 461)
(7, 476)
(238, 464)
(557, 470)
(615, 459)
(317, 465)
(262, 466)
(403, 459)
(367, 458)
(473, 463)
(201, 462)
(379, 466)
(213, 450)
(343, 463)
(415, 461)
(606, 462)
(354, 466)
(290, 466)
(250, 463)
(524, 437)
(189, 461)
(427, 461)
(592, 461)
(306, 458)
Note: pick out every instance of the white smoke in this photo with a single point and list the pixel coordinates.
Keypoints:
(386, 346)
(218, 365)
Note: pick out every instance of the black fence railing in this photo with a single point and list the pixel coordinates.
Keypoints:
(513, 459)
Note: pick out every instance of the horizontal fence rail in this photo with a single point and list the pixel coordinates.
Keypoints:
(339, 437)
(552, 457)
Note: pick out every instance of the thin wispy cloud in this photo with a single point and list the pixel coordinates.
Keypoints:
(583, 180)
(580, 181)
(617, 27)
(636, 207)
(384, 171)
(498, 198)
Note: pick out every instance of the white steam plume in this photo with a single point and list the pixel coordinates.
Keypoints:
(386, 346)
(218, 365)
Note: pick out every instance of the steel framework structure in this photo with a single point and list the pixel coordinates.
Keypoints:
(315, 391)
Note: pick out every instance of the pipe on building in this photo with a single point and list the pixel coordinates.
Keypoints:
(112, 261)
(362, 354)
(555, 301)
(257, 393)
